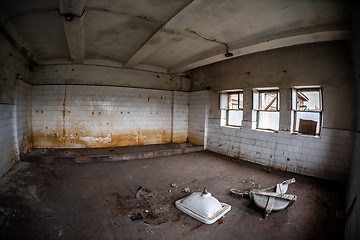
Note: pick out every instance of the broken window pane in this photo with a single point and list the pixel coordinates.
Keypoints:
(309, 116)
(308, 100)
(268, 101)
(307, 112)
(234, 101)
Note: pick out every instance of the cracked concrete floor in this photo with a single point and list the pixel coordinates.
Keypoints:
(98, 201)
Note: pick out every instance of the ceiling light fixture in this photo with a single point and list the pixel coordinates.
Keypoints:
(70, 16)
(227, 54)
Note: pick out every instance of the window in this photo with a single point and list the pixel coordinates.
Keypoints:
(306, 110)
(231, 105)
(266, 109)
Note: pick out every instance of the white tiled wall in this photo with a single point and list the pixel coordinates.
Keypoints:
(15, 128)
(15, 105)
(328, 156)
(352, 229)
(98, 116)
(180, 116)
(198, 115)
(23, 117)
(7, 153)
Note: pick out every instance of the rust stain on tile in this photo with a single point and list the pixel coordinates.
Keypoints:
(194, 140)
(68, 129)
(64, 114)
(90, 139)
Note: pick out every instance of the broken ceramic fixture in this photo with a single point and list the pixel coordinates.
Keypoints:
(270, 199)
(203, 207)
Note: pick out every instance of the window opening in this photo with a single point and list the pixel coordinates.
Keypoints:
(231, 105)
(306, 110)
(266, 109)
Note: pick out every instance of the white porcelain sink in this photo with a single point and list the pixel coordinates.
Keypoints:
(203, 207)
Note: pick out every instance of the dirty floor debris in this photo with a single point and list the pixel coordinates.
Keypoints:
(131, 200)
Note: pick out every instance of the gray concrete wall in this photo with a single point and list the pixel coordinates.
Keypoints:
(107, 76)
(326, 64)
(352, 228)
(15, 105)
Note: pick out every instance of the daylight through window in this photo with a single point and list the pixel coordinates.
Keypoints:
(306, 110)
(231, 105)
(266, 109)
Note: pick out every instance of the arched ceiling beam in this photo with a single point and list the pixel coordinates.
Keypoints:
(74, 29)
(278, 40)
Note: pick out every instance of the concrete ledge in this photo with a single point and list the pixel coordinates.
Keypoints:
(86, 155)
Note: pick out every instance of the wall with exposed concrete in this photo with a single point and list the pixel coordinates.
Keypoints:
(102, 116)
(107, 76)
(326, 64)
(15, 105)
(352, 228)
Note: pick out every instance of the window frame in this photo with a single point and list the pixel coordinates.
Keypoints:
(226, 107)
(258, 109)
(295, 111)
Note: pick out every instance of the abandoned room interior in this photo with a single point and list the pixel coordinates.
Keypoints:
(179, 119)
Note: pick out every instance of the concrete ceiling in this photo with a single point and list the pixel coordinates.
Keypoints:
(170, 36)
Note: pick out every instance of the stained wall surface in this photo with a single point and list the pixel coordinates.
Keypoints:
(103, 116)
(328, 65)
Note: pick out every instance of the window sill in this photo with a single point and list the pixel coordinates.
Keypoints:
(265, 130)
(305, 135)
(234, 127)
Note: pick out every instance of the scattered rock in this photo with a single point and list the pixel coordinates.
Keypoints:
(152, 215)
(135, 216)
(138, 192)
(186, 190)
(142, 191)
(174, 185)
(249, 183)
(267, 169)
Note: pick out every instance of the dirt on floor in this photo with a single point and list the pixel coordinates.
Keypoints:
(135, 200)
